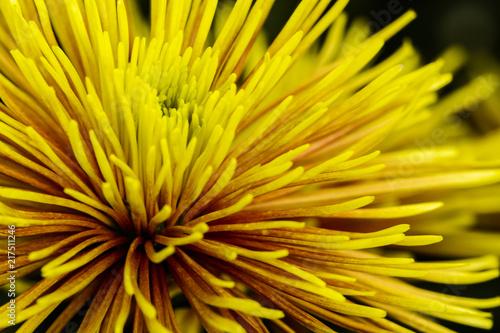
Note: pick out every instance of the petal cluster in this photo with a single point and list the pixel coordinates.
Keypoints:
(175, 172)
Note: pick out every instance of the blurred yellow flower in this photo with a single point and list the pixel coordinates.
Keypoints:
(167, 174)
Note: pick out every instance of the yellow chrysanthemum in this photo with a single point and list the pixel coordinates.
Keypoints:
(159, 184)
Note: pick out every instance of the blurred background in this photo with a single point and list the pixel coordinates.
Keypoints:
(474, 24)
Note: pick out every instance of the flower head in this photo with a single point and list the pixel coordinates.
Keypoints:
(176, 171)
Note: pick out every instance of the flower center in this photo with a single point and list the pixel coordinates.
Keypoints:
(171, 129)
